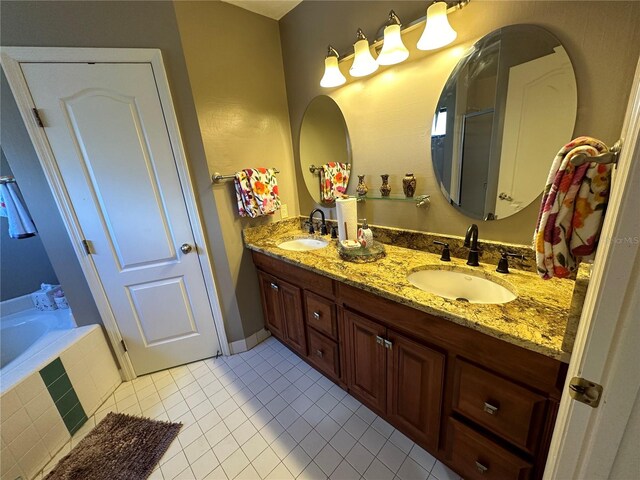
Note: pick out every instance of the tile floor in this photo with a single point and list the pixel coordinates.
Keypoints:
(265, 414)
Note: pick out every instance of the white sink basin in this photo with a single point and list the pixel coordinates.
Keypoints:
(463, 286)
(303, 244)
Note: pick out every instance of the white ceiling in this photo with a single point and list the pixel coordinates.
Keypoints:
(275, 9)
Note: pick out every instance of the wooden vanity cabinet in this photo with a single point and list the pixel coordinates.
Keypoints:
(366, 360)
(282, 307)
(483, 406)
(396, 377)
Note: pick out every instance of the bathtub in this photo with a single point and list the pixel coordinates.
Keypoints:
(28, 331)
(33, 426)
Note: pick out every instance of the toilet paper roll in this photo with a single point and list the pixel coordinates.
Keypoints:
(347, 216)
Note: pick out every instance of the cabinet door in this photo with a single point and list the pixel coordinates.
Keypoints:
(415, 388)
(270, 292)
(367, 361)
(293, 316)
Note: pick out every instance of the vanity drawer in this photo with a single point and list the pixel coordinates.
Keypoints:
(321, 314)
(324, 354)
(515, 413)
(474, 456)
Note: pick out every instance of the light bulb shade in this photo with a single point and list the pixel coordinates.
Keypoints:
(437, 31)
(363, 62)
(332, 75)
(393, 50)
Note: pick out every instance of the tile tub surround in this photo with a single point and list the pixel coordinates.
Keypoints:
(536, 320)
(265, 413)
(32, 430)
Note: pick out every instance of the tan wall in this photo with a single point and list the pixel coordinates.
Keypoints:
(235, 68)
(389, 114)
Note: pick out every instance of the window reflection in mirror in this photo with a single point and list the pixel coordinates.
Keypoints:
(507, 108)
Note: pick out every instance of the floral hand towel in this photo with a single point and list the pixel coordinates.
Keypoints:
(572, 209)
(256, 192)
(334, 177)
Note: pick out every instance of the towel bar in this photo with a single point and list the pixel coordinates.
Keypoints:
(314, 169)
(609, 157)
(218, 177)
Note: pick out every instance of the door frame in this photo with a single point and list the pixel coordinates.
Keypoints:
(586, 440)
(10, 58)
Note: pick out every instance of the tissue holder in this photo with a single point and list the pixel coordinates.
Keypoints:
(44, 299)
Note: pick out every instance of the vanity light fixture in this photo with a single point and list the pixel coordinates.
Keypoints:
(363, 62)
(332, 77)
(393, 50)
(437, 31)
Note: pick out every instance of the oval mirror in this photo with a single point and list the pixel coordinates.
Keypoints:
(324, 140)
(508, 107)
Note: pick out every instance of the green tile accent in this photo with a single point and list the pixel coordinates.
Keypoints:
(67, 402)
(60, 387)
(75, 419)
(52, 372)
(63, 395)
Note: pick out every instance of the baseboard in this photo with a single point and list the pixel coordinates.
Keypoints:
(248, 343)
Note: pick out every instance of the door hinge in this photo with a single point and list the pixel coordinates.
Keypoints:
(124, 345)
(88, 248)
(585, 391)
(36, 116)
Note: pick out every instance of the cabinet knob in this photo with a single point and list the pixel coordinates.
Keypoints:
(186, 248)
(319, 353)
(481, 468)
(490, 409)
(274, 286)
(316, 315)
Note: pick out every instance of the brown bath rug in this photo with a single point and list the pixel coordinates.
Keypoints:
(120, 447)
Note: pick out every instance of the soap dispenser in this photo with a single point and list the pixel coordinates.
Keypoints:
(365, 235)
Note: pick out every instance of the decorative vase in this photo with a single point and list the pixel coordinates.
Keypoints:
(385, 189)
(409, 185)
(361, 188)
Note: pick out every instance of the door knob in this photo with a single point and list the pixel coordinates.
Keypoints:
(186, 248)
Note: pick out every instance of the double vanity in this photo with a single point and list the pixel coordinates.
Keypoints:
(467, 362)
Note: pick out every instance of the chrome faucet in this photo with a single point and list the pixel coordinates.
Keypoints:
(323, 225)
(471, 242)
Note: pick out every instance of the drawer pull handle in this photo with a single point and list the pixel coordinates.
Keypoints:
(481, 468)
(388, 344)
(274, 286)
(319, 353)
(490, 409)
(380, 340)
(316, 315)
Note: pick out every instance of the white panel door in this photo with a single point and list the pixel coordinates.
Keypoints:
(539, 119)
(106, 128)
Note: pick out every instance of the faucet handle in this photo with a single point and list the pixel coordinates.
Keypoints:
(323, 229)
(446, 253)
(503, 263)
(309, 227)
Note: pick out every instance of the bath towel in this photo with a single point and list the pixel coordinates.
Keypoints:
(334, 178)
(11, 206)
(256, 192)
(572, 209)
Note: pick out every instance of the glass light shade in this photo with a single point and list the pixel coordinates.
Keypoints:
(393, 50)
(437, 31)
(332, 75)
(363, 62)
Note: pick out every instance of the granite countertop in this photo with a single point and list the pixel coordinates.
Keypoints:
(535, 320)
